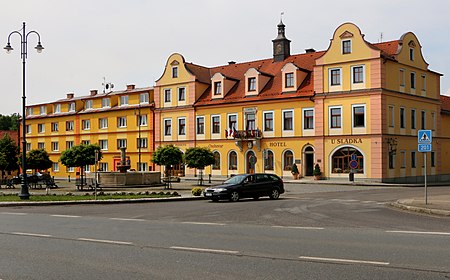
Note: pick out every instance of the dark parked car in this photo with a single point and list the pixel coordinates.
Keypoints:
(247, 185)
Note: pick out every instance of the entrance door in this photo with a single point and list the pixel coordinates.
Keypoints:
(309, 161)
(250, 162)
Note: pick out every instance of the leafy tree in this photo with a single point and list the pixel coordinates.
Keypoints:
(199, 158)
(80, 156)
(167, 156)
(9, 152)
(38, 159)
(9, 122)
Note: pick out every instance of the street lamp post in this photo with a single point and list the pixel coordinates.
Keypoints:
(24, 193)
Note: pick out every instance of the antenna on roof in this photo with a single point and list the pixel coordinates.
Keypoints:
(106, 85)
(381, 37)
(281, 16)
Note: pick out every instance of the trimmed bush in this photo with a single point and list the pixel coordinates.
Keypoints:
(197, 191)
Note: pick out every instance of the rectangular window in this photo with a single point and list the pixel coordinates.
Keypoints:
(433, 159)
(402, 77)
(103, 144)
(69, 144)
(411, 54)
(289, 80)
(123, 100)
(71, 169)
(55, 126)
(28, 147)
(55, 167)
(423, 120)
(346, 46)
(335, 77)
(28, 128)
(288, 120)
(103, 166)
(88, 104)
(402, 117)
(335, 117)
(181, 126)
(85, 142)
(55, 146)
(268, 121)
(252, 84)
(142, 166)
(215, 124)
(41, 128)
(69, 126)
(433, 121)
(43, 110)
(142, 120)
(232, 122)
(308, 118)
(103, 123)
(143, 98)
(424, 82)
(359, 119)
(413, 118)
(57, 108)
(217, 88)
(391, 160)
(181, 94)
(86, 124)
(413, 80)
(142, 143)
(29, 111)
(168, 127)
(41, 145)
(106, 102)
(403, 159)
(358, 74)
(167, 95)
(71, 107)
(250, 121)
(175, 72)
(122, 122)
(121, 143)
(391, 115)
(200, 125)
(413, 159)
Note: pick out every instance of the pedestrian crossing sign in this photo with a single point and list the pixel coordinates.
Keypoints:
(424, 137)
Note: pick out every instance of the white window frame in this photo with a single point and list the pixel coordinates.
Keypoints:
(169, 91)
(29, 111)
(89, 104)
(142, 120)
(103, 166)
(71, 107)
(283, 120)
(402, 77)
(303, 118)
(86, 124)
(28, 147)
(175, 73)
(106, 102)
(330, 78)
(391, 115)
(178, 94)
(71, 169)
(196, 125)
(123, 100)
(103, 143)
(41, 145)
(353, 115)
(121, 143)
(69, 144)
(424, 82)
(55, 126)
(363, 74)
(43, 110)
(103, 123)
(273, 121)
(185, 126)
(55, 146)
(70, 125)
(28, 128)
(342, 46)
(142, 143)
(329, 117)
(143, 98)
(164, 127)
(212, 124)
(41, 128)
(57, 108)
(228, 120)
(121, 122)
(55, 167)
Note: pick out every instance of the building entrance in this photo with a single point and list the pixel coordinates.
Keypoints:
(309, 161)
(250, 162)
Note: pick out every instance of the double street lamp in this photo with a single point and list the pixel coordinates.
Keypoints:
(24, 193)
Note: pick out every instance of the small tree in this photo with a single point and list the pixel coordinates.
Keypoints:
(167, 156)
(199, 158)
(317, 171)
(38, 159)
(80, 156)
(8, 148)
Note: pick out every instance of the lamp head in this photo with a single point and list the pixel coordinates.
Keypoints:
(39, 47)
(8, 48)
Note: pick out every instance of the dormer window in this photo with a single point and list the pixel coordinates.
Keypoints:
(71, 107)
(123, 100)
(143, 98)
(57, 108)
(88, 104)
(346, 46)
(252, 84)
(175, 72)
(218, 88)
(411, 54)
(289, 80)
(29, 111)
(43, 110)
(106, 102)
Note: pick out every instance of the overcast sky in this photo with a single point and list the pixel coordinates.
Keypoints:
(128, 42)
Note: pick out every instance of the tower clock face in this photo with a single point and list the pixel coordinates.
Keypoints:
(278, 48)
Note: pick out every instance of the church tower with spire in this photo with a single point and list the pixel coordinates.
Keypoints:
(281, 44)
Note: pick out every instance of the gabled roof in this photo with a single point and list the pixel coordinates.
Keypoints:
(445, 103)
(388, 48)
(202, 74)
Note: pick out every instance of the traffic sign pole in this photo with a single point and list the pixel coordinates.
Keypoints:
(425, 164)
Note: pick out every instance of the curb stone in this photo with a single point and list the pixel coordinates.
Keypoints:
(417, 209)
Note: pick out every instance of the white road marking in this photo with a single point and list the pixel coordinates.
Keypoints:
(105, 241)
(342, 260)
(12, 213)
(204, 223)
(125, 219)
(344, 200)
(367, 201)
(31, 234)
(419, 232)
(203, 250)
(297, 227)
(65, 216)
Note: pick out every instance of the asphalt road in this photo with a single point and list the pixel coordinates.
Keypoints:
(312, 234)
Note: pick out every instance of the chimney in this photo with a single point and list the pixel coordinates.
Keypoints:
(311, 50)
(70, 95)
(130, 87)
(231, 62)
(94, 92)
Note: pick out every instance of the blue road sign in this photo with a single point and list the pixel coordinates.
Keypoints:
(424, 148)
(353, 156)
(353, 164)
(424, 137)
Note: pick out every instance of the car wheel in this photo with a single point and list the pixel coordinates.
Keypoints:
(274, 194)
(234, 196)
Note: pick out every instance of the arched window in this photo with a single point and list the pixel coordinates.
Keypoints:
(341, 160)
(288, 160)
(232, 161)
(268, 161)
(216, 165)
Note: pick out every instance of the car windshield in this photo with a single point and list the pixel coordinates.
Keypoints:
(235, 180)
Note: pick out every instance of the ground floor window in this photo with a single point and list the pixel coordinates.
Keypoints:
(268, 160)
(232, 161)
(216, 165)
(288, 160)
(341, 160)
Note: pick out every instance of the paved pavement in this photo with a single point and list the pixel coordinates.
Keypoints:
(436, 204)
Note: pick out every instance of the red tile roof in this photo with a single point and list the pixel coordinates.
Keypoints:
(445, 103)
(390, 48)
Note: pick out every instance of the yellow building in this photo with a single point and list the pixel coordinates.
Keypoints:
(111, 120)
(356, 107)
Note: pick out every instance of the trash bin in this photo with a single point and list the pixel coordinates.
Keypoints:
(351, 176)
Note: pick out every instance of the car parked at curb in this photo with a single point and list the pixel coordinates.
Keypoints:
(247, 186)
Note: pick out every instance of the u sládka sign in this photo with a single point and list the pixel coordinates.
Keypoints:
(340, 141)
